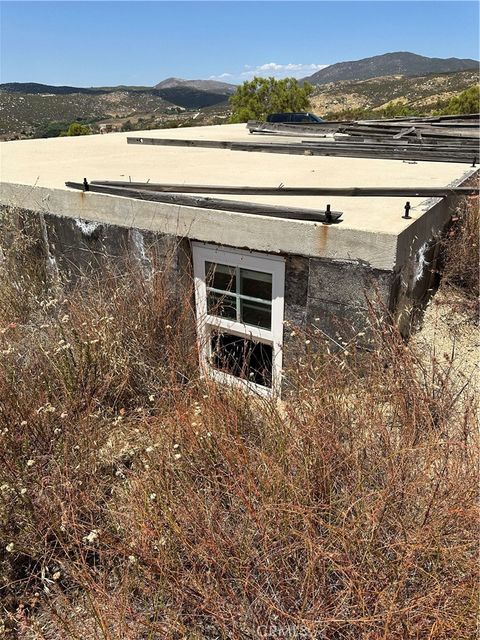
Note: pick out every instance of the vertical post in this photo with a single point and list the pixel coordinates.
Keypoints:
(328, 214)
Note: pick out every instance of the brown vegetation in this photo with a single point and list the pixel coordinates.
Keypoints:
(461, 249)
(138, 500)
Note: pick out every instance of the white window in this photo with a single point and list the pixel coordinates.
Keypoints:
(239, 303)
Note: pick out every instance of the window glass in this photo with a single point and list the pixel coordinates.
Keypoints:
(220, 276)
(256, 284)
(256, 313)
(242, 358)
(221, 305)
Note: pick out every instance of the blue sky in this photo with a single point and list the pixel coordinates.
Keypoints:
(141, 43)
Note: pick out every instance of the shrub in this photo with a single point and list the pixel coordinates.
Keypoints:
(142, 501)
(76, 129)
(467, 101)
(461, 252)
(255, 99)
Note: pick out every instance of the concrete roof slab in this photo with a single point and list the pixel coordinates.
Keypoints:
(368, 231)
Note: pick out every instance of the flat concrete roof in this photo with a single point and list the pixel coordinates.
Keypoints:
(45, 165)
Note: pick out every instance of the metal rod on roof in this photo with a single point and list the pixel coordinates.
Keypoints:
(418, 192)
(292, 213)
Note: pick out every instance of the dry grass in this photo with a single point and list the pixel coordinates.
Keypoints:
(140, 501)
(461, 253)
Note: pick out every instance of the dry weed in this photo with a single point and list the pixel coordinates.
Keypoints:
(140, 501)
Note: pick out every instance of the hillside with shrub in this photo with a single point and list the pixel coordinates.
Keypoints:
(31, 110)
(423, 95)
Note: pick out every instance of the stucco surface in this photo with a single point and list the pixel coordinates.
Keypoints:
(33, 173)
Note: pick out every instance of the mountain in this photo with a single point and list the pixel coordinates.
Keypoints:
(27, 108)
(188, 94)
(400, 63)
(36, 88)
(203, 85)
(421, 93)
(193, 94)
(191, 98)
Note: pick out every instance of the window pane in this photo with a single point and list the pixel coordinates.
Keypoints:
(242, 358)
(220, 276)
(256, 284)
(221, 305)
(256, 314)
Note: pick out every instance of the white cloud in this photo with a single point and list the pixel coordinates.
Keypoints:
(222, 76)
(275, 69)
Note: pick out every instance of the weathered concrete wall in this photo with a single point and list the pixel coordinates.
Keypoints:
(65, 249)
(417, 254)
(327, 295)
(269, 235)
(79, 246)
(332, 297)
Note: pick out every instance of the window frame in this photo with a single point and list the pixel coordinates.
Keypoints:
(239, 259)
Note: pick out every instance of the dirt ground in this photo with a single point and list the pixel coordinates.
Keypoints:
(448, 329)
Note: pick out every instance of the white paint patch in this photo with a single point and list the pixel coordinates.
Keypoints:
(141, 255)
(420, 263)
(138, 244)
(52, 267)
(87, 228)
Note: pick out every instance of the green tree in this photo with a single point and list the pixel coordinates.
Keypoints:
(397, 109)
(50, 129)
(76, 129)
(256, 98)
(466, 102)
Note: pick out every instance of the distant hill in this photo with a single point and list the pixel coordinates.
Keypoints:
(194, 94)
(26, 104)
(213, 86)
(422, 93)
(28, 109)
(400, 63)
(36, 88)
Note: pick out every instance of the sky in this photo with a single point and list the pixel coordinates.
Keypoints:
(141, 43)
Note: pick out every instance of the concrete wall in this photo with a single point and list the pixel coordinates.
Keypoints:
(329, 295)
(333, 298)
(264, 234)
(417, 254)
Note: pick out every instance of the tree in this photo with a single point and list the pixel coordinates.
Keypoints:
(50, 130)
(127, 126)
(466, 102)
(256, 98)
(76, 129)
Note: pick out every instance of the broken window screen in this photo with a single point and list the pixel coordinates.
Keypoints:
(242, 358)
(239, 294)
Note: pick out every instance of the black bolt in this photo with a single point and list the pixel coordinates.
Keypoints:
(328, 214)
(86, 186)
(407, 215)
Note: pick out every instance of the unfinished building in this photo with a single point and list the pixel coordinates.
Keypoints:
(289, 236)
